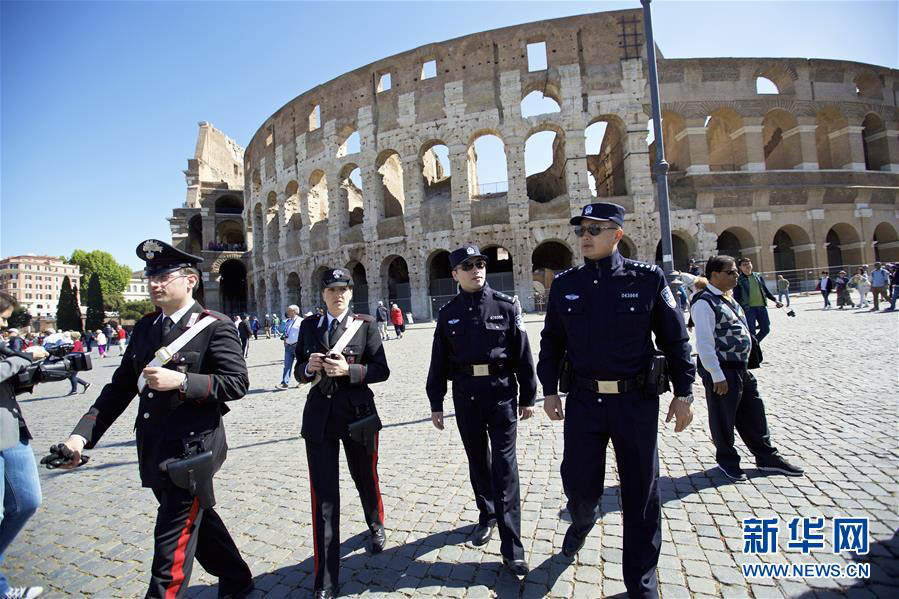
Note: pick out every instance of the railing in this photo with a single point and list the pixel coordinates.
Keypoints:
(494, 187)
(805, 280)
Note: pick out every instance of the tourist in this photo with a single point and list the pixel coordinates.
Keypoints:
(880, 285)
(783, 290)
(396, 317)
(751, 292)
(381, 317)
(77, 346)
(861, 283)
(101, 342)
(825, 286)
(841, 285)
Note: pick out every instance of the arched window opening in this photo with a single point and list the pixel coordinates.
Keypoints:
(195, 235)
(258, 234)
(294, 291)
(441, 285)
(436, 172)
(792, 251)
(317, 199)
(351, 191)
(277, 305)
(832, 139)
(544, 166)
(392, 194)
(719, 129)
(487, 174)
(537, 103)
(315, 117)
(681, 248)
(886, 243)
(228, 237)
(764, 86)
(233, 287)
(228, 205)
(396, 273)
(868, 85)
(729, 245)
(273, 227)
(349, 142)
(500, 272)
(548, 259)
(627, 248)
(604, 146)
(874, 141)
(360, 289)
(843, 247)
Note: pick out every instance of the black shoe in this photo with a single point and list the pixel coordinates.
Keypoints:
(378, 539)
(327, 593)
(482, 534)
(777, 464)
(244, 592)
(733, 472)
(572, 543)
(518, 567)
(86, 387)
(283, 386)
(72, 392)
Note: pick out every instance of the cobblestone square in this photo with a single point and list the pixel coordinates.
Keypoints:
(830, 389)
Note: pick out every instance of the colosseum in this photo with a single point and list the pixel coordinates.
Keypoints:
(793, 162)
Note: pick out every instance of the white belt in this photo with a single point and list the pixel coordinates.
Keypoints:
(164, 354)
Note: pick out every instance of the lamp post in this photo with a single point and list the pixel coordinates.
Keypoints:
(661, 163)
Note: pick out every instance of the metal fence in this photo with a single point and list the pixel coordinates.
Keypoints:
(805, 280)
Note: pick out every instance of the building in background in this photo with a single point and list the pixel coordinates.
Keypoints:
(137, 288)
(35, 281)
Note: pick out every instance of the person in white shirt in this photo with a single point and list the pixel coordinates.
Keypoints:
(291, 337)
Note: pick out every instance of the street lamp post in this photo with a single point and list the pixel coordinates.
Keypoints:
(661, 163)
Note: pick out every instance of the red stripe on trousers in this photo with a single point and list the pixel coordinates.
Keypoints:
(314, 526)
(180, 548)
(374, 472)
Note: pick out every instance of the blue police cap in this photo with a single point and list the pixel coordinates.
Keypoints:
(336, 277)
(161, 258)
(466, 252)
(601, 211)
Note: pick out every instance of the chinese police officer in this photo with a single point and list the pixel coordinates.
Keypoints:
(480, 345)
(184, 363)
(599, 321)
(340, 353)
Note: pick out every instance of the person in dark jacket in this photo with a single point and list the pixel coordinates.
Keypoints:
(182, 400)
(825, 286)
(340, 397)
(752, 294)
(244, 332)
(20, 487)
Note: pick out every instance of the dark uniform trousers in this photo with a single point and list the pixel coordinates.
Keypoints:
(630, 420)
(325, 490)
(184, 531)
(493, 466)
(741, 408)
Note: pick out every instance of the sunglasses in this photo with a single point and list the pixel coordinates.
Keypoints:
(732, 271)
(593, 230)
(467, 266)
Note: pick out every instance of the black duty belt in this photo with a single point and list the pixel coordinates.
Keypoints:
(490, 369)
(610, 387)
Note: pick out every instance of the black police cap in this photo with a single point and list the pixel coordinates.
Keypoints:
(161, 258)
(601, 211)
(336, 277)
(466, 252)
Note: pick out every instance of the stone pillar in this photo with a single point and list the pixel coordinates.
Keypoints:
(524, 273)
(762, 219)
(863, 214)
(305, 222)
(637, 173)
(856, 147)
(283, 292)
(697, 146)
(283, 227)
(461, 202)
(207, 218)
(413, 189)
(372, 203)
(517, 196)
(808, 145)
(377, 288)
(418, 279)
(749, 149)
(576, 180)
(892, 136)
(338, 219)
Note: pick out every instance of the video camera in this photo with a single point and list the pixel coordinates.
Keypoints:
(58, 367)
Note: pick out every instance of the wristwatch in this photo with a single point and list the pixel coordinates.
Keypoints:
(687, 399)
(183, 386)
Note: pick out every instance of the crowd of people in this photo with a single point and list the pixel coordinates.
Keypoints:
(882, 283)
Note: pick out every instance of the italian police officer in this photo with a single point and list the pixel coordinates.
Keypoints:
(599, 321)
(480, 344)
(184, 363)
(341, 355)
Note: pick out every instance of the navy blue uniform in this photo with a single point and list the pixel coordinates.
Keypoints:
(603, 314)
(483, 329)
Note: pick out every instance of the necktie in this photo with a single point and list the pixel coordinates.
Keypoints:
(166, 326)
(332, 332)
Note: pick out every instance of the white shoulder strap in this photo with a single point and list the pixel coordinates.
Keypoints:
(341, 343)
(165, 353)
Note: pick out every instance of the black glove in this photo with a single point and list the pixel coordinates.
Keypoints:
(60, 455)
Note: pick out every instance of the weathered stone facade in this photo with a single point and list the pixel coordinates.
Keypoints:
(788, 179)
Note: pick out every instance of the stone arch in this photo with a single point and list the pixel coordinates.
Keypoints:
(605, 149)
(255, 181)
(831, 138)
(348, 141)
(233, 287)
(545, 146)
(294, 291)
(228, 204)
(886, 243)
(436, 170)
(734, 242)
(844, 245)
(548, 259)
(792, 251)
(500, 268)
(874, 140)
(781, 140)
(724, 151)
(683, 245)
(272, 227)
(230, 234)
(673, 132)
(351, 199)
(391, 194)
(317, 197)
(868, 85)
(441, 285)
(258, 234)
(781, 75)
(490, 144)
(195, 235)
(627, 248)
(539, 101)
(360, 287)
(396, 281)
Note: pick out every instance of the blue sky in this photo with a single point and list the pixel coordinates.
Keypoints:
(99, 102)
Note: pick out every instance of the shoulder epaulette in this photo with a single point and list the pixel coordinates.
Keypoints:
(568, 270)
(449, 303)
(217, 315)
(364, 317)
(502, 296)
(637, 265)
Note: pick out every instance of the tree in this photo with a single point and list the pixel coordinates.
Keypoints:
(134, 310)
(19, 318)
(113, 304)
(95, 316)
(68, 315)
(113, 276)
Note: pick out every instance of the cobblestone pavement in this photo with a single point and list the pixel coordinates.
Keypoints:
(831, 393)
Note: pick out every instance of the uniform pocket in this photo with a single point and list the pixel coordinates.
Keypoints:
(496, 332)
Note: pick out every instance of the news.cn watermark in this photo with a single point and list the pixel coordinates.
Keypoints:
(806, 535)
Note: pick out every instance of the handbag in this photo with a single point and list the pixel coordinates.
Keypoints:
(755, 354)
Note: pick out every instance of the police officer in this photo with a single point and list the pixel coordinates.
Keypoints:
(480, 345)
(602, 314)
(182, 397)
(340, 400)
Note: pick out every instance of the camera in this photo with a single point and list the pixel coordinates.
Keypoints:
(58, 367)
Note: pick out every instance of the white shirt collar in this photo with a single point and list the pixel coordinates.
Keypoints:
(339, 318)
(714, 289)
(178, 315)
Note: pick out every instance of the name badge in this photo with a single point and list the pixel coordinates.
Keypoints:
(193, 319)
